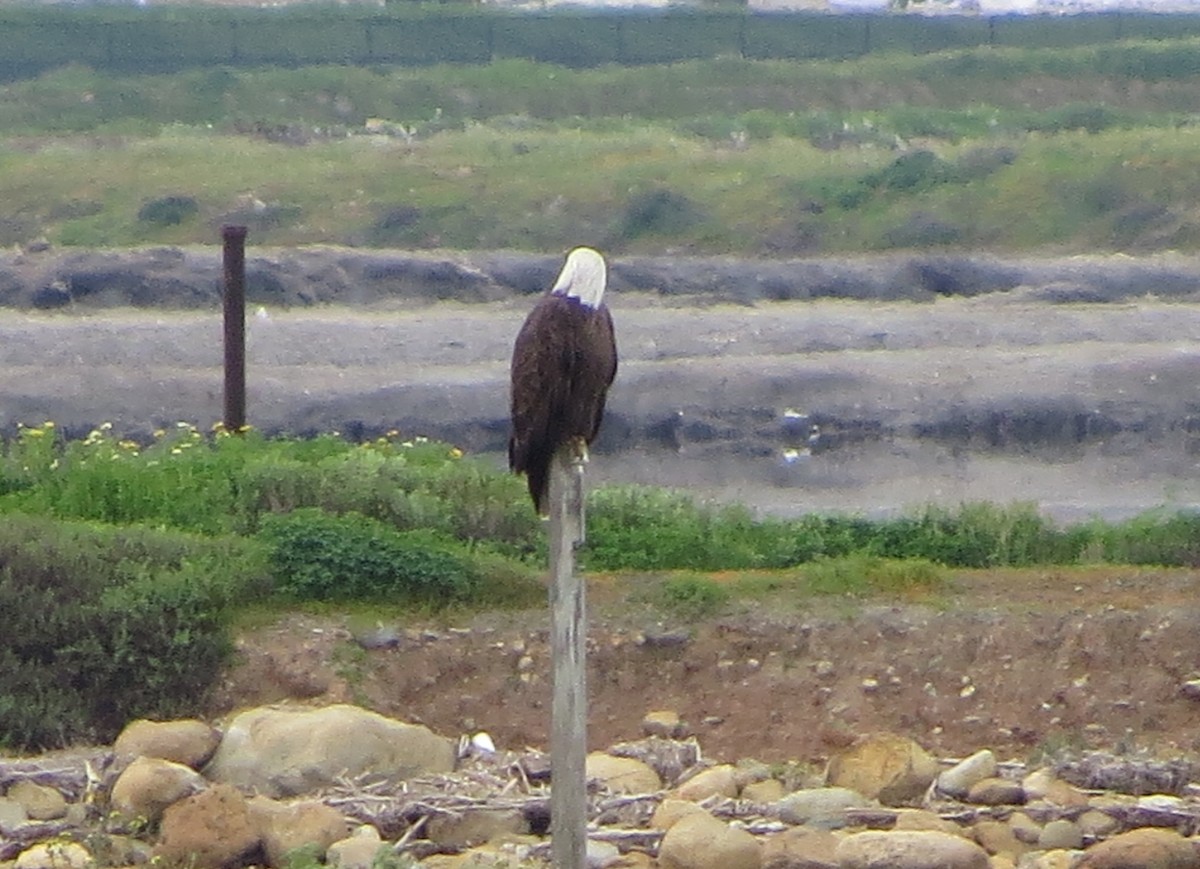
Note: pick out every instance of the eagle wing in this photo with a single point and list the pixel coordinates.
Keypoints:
(564, 359)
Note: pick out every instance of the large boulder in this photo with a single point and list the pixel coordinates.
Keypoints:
(622, 775)
(280, 752)
(286, 827)
(212, 830)
(701, 841)
(187, 741)
(820, 807)
(1146, 848)
(146, 787)
(875, 849)
(884, 766)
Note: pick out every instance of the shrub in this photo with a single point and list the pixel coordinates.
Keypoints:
(103, 625)
(1155, 537)
(658, 211)
(977, 535)
(866, 574)
(318, 556)
(693, 597)
(168, 210)
(632, 527)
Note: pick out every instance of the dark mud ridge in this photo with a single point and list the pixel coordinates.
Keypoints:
(168, 277)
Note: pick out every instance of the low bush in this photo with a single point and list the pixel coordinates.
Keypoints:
(169, 210)
(868, 574)
(322, 557)
(103, 625)
(692, 597)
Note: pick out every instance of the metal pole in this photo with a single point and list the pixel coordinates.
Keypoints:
(235, 327)
(568, 649)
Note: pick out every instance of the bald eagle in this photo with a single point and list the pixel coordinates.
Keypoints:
(564, 360)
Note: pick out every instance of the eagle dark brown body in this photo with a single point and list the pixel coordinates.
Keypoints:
(564, 359)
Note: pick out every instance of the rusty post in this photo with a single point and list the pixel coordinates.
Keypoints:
(234, 296)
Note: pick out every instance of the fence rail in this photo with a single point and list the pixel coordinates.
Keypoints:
(152, 40)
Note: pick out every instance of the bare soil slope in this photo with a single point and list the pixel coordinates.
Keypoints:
(1020, 662)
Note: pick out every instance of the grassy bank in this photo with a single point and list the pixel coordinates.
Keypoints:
(123, 566)
(1081, 149)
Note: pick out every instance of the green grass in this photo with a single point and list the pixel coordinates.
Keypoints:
(1067, 149)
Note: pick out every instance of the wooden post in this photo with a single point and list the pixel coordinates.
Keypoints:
(234, 295)
(568, 648)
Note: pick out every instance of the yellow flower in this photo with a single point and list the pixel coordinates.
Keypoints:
(456, 453)
(160, 433)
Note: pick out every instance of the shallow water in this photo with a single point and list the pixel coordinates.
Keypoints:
(888, 479)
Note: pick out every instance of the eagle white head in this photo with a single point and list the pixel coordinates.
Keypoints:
(583, 277)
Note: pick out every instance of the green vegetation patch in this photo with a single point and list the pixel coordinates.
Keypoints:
(107, 624)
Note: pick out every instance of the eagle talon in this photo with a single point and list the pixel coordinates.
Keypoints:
(579, 451)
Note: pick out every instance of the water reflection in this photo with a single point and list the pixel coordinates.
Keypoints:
(886, 478)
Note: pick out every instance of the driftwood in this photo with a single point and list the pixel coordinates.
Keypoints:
(672, 759)
(75, 775)
(20, 838)
(510, 781)
(1098, 770)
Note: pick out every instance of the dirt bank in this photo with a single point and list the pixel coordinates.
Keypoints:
(1020, 662)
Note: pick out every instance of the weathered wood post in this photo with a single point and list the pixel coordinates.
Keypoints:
(234, 296)
(568, 648)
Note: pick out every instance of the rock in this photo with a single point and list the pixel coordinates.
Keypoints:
(209, 830)
(475, 827)
(187, 741)
(1146, 848)
(800, 848)
(12, 815)
(716, 781)
(919, 819)
(1096, 824)
(602, 855)
(285, 827)
(909, 850)
(1025, 828)
(892, 769)
(149, 785)
(670, 811)
(957, 780)
(1042, 784)
(622, 775)
(766, 791)
(55, 855)
(701, 841)
(663, 723)
(358, 851)
(1060, 835)
(1049, 860)
(996, 792)
(40, 802)
(996, 837)
(1037, 783)
(281, 752)
(821, 807)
